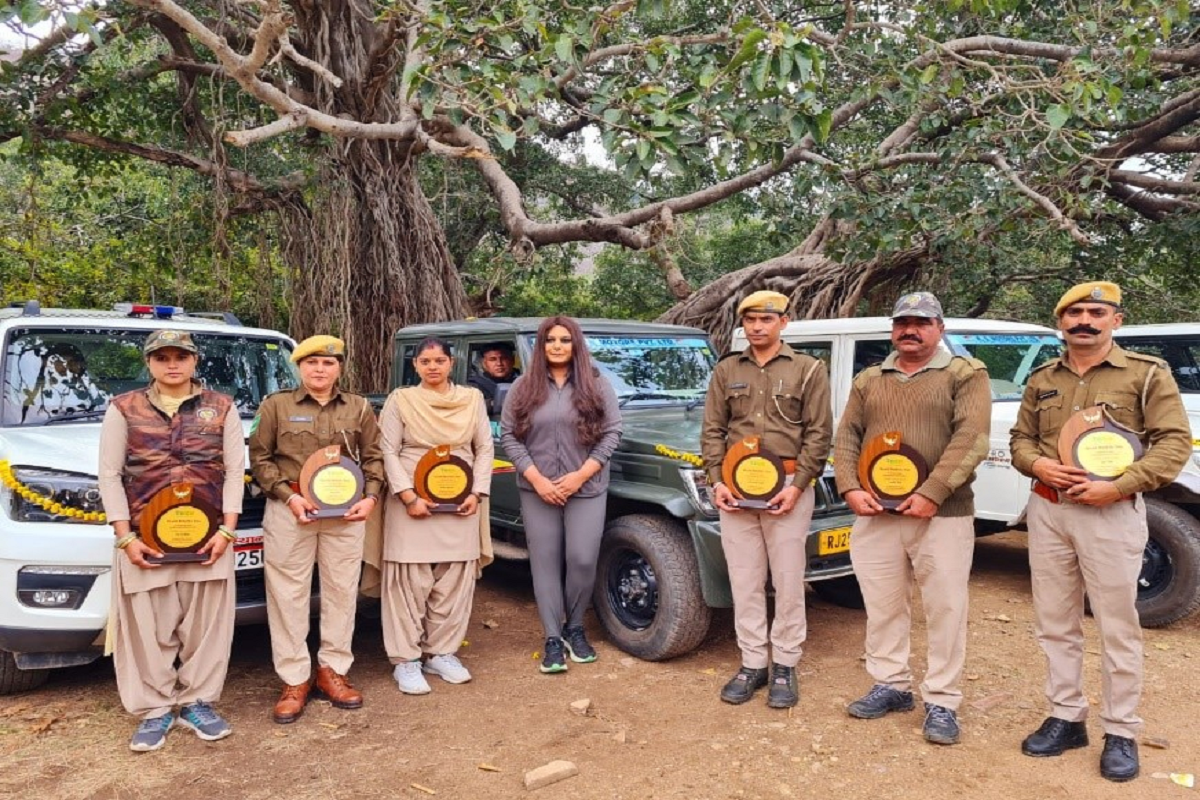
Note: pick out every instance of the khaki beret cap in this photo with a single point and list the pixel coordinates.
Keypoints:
(764, 300)
(160, 339)
(319, 346)
(1091, 292)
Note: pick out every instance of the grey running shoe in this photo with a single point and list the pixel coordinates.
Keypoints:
(151, 734)
(879, 701)
(941, 725)
(206, 723)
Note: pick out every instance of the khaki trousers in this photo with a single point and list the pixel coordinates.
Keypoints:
(890, 553)
(756, 544)
(290, 550)
(189, 622)
(426, 608)
(1073, 549)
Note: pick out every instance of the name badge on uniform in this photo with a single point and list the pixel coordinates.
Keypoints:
(738, 385)
(300, 419)
(1047, 395)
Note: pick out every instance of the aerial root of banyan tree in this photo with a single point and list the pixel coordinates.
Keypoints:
(368, 258)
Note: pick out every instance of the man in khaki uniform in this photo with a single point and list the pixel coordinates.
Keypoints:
(290, 427)
(1088, 535)
(771, 392)
(941, 404)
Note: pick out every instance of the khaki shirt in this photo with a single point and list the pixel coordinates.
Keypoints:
(291, 426)
(1139, 393)
(784, 402)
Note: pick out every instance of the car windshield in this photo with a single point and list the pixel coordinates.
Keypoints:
(653, 369)
(72, 374)
(1009, 357)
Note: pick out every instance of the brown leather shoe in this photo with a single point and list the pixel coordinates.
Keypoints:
(337, 689)
(291, 703)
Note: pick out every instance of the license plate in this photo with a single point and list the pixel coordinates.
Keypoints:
(834, 540)
(248, 553)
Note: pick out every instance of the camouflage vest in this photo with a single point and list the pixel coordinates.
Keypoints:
(186, 448)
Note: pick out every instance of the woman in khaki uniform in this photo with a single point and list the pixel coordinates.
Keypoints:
(430, 560)
(171, 624)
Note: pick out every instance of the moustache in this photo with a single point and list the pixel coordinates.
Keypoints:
(910, 337)
(1084, 329)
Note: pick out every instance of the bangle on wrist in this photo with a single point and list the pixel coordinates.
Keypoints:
(125, 541)
(228, 534)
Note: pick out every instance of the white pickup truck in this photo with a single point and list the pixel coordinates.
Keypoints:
(1169, 585)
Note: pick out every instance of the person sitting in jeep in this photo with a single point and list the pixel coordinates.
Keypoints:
(496, 366)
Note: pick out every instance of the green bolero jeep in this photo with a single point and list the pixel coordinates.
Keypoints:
(661, 566)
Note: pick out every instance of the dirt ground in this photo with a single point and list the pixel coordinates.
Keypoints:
(653, 731)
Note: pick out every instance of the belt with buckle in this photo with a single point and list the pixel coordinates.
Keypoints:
(1050, 493)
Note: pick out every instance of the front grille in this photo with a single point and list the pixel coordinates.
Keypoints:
(253, 509)
(251, 586)
(828, 498)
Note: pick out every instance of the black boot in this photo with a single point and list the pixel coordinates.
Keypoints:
(784, 691)
(742, 686)
(1119, 761)
(1055, 737)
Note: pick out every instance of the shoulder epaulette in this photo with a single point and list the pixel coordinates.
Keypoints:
(1158, 362)
(974, 364)
(1042, 366)
(727, 355)
(872, 371)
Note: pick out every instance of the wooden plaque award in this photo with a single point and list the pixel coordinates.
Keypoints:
(891, 469)
(1091, 441)
(753, 474)
(331, 482)
(443, 480)
(177, 523)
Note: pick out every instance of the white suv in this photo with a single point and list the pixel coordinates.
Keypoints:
(59, 370)
(1169, 584)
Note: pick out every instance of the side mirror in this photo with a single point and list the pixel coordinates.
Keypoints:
(499, 397)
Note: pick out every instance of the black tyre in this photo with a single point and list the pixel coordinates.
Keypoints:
(842, 592)
(648, 595)
(1169, 585)
(14, 680)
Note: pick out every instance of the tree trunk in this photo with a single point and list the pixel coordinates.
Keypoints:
(367, 255)
(369, 258)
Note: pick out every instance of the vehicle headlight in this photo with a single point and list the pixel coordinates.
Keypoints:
(67, 489)
(696, 482)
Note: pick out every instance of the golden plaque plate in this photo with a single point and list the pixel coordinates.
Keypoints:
(332, 482)
(753, 474)
(177, 523)
(443, 480)
(1091, 441)
(891, 469)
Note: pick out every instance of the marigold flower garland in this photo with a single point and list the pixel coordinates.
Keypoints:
(10, 480)
(690, 458)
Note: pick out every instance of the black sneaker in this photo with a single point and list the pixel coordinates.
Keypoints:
(577, 645)
(742, 686)
(879, 701)
(784, 691)
(1119, 761)
(554, 659)
(1054, 737)
(941, 725)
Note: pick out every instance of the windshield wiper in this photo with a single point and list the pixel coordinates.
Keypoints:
(621, 401)
(90, 413)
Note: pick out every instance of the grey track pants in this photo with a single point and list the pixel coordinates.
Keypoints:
(559, 535)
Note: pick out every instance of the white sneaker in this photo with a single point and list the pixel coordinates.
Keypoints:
(409, 678)
(448, 668)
